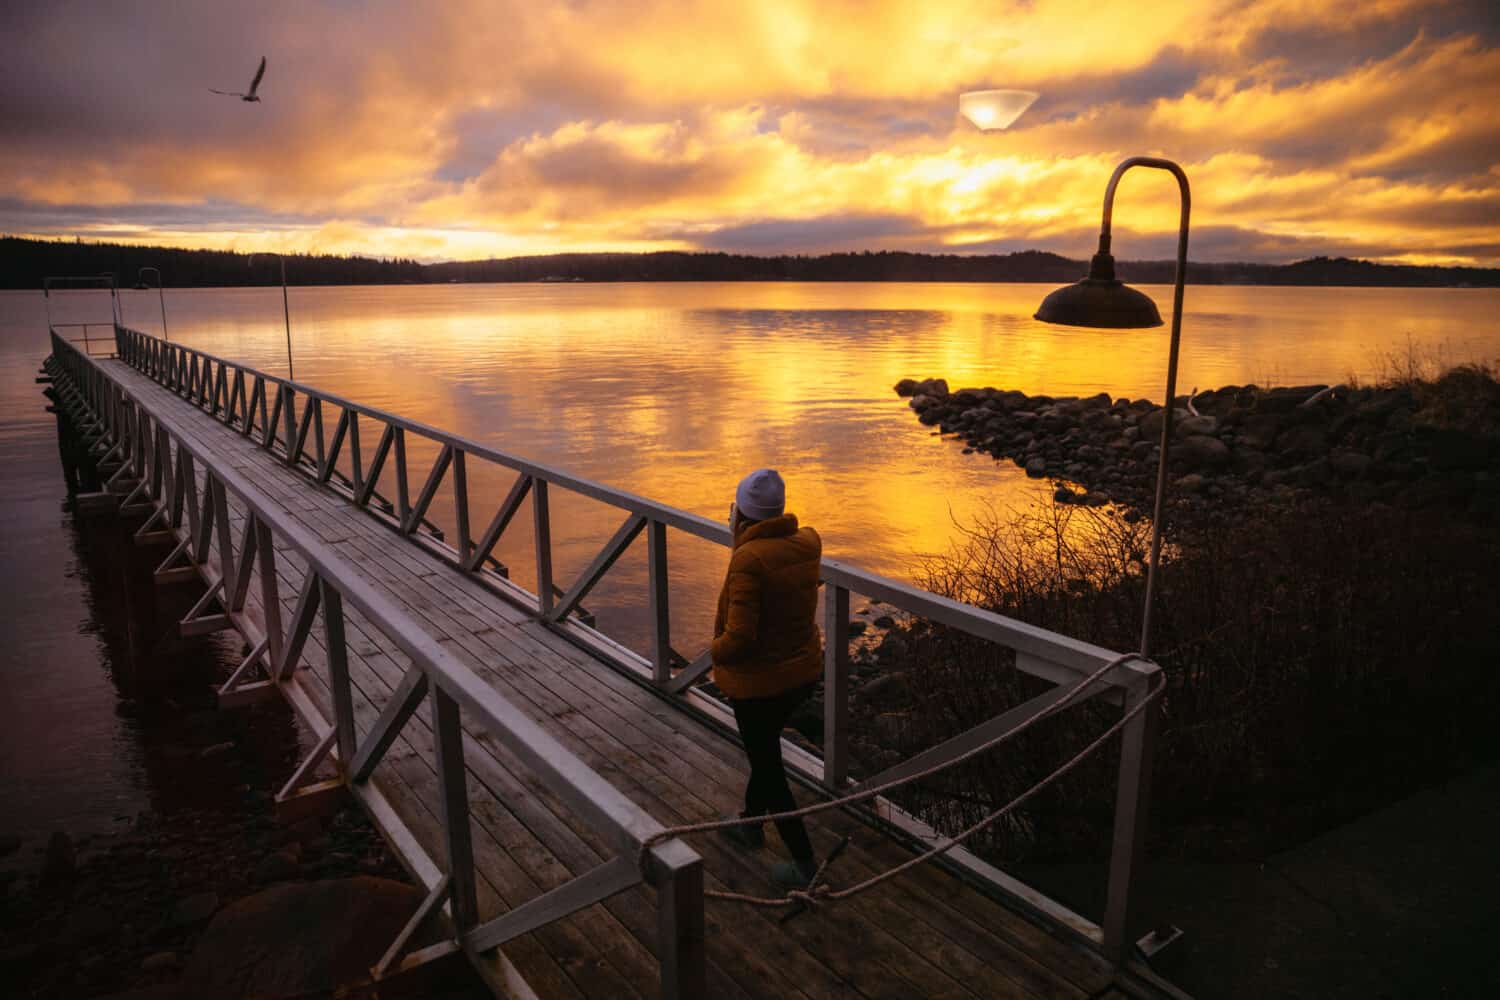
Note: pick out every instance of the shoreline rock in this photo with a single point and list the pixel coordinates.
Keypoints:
(1240, 443)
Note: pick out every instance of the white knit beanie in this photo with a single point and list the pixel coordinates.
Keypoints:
(761, 495)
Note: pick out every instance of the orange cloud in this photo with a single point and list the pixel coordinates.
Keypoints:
(467, 130)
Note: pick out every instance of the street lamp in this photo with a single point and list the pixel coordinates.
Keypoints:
(140, 279)
(1101, 300)
(285, 310)
(991, 110)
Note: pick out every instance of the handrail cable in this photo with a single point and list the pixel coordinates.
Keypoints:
(816, 892)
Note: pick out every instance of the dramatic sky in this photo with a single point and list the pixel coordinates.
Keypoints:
(461, 129)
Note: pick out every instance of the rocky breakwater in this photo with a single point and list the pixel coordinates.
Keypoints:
(1417, 445)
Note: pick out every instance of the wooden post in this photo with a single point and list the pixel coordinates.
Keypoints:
(661, 618)
(356, 461)
(265, 550)
(338, 674)
(679, 921)
(403, 492)
(464, 544)
(541, 517)
(449, 749)
(1132, 801)
(835, 686)
(289, 421)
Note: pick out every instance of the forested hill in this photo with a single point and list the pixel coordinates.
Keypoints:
(25, 263)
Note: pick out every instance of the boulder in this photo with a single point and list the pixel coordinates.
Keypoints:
(1036, 468)
(1201, 452)
(1304, 442)
(194, 909)
(1191, 426)
(906, 387)
(299, 939)
(932, 387)
(1150, 424)
(1349, 463)
(278, 866)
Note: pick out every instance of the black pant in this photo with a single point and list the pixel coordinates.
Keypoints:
(760, 721)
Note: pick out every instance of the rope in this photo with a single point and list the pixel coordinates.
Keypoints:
(815, 892)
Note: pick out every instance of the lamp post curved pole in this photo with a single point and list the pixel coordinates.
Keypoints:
(1166, 425)
(160, 295)
(286, 311)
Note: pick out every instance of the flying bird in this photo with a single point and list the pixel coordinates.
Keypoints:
(251, 95)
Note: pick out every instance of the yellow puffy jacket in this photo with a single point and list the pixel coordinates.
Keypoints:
(766, 640)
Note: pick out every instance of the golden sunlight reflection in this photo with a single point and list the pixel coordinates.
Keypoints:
(674, 391)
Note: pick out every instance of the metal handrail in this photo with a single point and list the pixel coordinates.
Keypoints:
(1040, 652)
(331, 581)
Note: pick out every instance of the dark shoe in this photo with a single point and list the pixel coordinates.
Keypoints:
(793, 874)
(747, 837)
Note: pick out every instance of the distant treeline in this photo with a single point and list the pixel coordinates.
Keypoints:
(25, 263)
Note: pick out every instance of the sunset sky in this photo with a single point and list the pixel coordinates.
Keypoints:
(459, 130)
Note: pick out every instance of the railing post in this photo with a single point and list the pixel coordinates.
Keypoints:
(289, 421)
(1132, 801)
(835, 685)
(449, 753)
(465, 544)
(403, 491)
(270, 599)
(661, 618)
(338, 674)
(356, 462)
(678, 878)
(542, 519)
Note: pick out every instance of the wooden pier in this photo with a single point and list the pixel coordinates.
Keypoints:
(547, 754)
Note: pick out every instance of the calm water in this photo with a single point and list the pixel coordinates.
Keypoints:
(670, 391)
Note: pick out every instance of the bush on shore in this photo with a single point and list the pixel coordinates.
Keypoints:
(1323, 658)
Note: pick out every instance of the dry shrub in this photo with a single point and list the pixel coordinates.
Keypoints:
(1322, 660)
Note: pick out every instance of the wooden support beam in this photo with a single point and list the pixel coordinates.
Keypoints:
(309, 765)
(448, 753)
(402, 703)
(248, 663)
(330, 460)
(689, 674)
(322, 798)
(377, 462)
(240, 585)
(596, 569)
(429, 490)
(338, 673)
(501, 520)
(301, 626)
(430, 905)
(203, 625)
(599, 883)
(254, 693)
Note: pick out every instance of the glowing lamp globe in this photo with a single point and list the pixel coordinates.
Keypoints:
(990, 110)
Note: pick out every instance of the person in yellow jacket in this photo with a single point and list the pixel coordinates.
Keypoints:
(768, 653)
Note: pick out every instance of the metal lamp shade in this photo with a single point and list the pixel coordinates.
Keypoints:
(991, 110)
(1100, 301)
(1107, 304)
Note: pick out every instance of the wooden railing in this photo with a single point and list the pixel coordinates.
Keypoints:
(188, 493)
(265, 407)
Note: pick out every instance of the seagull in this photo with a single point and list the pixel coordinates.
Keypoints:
(251, 96)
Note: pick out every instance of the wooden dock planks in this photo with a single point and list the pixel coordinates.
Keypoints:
(925, 934)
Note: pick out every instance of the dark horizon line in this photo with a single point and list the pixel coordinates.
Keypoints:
(25, 262)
